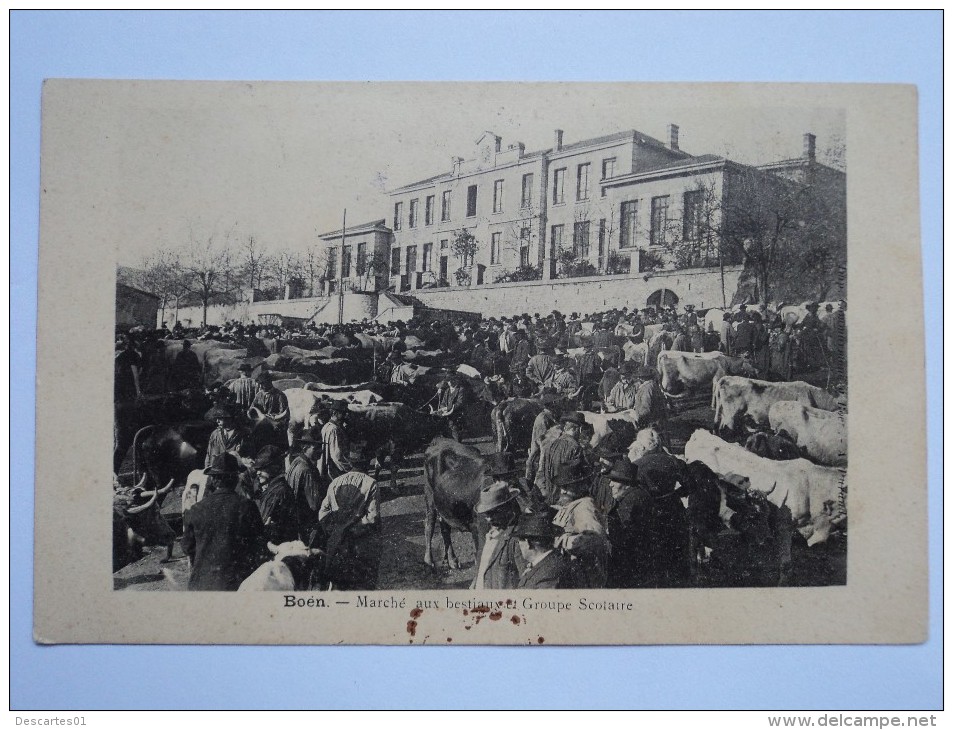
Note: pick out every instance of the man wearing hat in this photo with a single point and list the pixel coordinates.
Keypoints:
(584, 538)
(229, 436)
(546, 567)
(451, 405)
(624, 394)
(271, 401)
(186, 370)
(661, 476)
(813, 337)
(498, 560)
(243, 387)
(223, 535)
(305, 481)
(628, 525)
(545, 420)
(562, 380)
(607, 454)
(276, 501)
(541, 365)
(562, 450)
(351, 522)
(334, 462)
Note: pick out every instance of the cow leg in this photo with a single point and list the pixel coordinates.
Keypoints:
(396, 459)
(430, 517)
(449, 555)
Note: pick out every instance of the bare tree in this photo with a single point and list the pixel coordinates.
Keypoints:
(162, 276)
(204, 265)
(253, 260)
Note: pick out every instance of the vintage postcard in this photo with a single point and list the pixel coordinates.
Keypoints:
(481, 363)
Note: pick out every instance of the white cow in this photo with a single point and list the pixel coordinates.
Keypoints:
(735, 397)
(822, 435)
(290, 569)
(637, 353)
(815, 495)
(682, 371)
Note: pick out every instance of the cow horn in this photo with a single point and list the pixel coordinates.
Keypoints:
(272, 548)
(143, 507)
(142, 483)
(167, 487)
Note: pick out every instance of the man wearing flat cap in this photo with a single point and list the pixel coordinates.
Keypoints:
(546, 567)
(334, 460)
(223, 534)
(498, 560)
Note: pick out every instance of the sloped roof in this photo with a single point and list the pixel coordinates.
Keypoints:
(359, 228)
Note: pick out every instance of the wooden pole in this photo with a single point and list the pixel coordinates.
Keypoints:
(341, 272)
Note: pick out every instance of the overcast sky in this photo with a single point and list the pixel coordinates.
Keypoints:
(282, 161)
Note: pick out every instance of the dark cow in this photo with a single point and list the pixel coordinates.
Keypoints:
(170, 408)
(455, 474)
(773, 446)
(513, 423)
(392, 430)
(738, 537)
(137, 522)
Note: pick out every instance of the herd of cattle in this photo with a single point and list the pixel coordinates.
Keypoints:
(776, 446)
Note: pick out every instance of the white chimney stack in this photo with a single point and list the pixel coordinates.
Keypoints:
(673, 136)
(810, 146)
(558, 143)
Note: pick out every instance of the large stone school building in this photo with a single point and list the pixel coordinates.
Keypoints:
(580, 226)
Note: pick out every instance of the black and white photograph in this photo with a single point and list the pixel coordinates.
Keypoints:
(580, 352)
(540, 339)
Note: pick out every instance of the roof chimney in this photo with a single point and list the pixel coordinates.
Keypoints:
(673, 136)
(455, 163)
(810, 142)
(558, 143)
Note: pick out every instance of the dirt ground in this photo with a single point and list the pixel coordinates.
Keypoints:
(402, 565)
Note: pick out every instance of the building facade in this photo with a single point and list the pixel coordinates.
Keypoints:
(356, 262)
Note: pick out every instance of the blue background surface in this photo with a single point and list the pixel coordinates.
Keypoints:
(599, 46)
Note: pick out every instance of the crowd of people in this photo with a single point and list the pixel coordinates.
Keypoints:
(570, 517)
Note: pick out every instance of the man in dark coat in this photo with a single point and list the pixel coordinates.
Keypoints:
(628, 524)
(546, 567)
(277, 501)
(223, 535)
(186, 370)
(306, 483)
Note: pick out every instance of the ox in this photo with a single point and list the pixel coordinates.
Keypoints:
(683, 371)
(816, 496)
(736, 398)
(820, 434)
(778, 447)
(295, 567)
(643, 414)
(635, 352)
(392, 430)
(513, 422)
(301, 401)
(137, 523)
(455, 474)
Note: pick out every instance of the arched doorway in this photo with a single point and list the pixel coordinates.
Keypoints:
(662, 298)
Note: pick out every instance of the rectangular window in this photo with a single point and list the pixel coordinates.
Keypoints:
(346, 261)
(580, 239)
(526, 199)
(428, 251)
(398, 215)
(659, 220)
(582, 182)
(628, 223)
(444, 244)
(428, 210)
(608, 168)
(559, 184)
(411, 261)
(471, 201)
(361, 259)
(692, 216)
(602, 238)
(395, 261)
(524, 246)
(332, 263)
(555, 241)
(495, 248)
(498, 196)
(414, 205)
(444, 265)
(445, 206)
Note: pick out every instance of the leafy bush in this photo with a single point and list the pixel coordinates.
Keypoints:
(523, 273)
(650, 261)
(616, 263)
